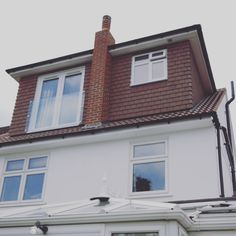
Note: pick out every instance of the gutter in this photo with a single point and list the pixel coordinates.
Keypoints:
(229, 151)
(177, 215)
(227, 112)
(217, 126)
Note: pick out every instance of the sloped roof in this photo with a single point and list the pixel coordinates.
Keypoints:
(88, 211)
(204, 108)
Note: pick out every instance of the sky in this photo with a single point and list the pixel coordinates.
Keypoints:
(36, 30)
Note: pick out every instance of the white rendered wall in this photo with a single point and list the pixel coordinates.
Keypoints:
(76, 172)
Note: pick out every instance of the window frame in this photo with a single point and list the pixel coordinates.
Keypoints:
(149, 159)
(24, 173)
(150, 63)
(61, 75)
(143, 227)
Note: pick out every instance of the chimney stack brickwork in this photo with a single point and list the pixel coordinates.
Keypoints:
(98, 92)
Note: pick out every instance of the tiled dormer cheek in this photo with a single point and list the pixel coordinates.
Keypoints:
(149, 67)
(58, 101)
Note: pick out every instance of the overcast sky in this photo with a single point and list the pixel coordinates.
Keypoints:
(36, 30)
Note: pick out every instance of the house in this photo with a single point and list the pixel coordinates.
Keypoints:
(126, 139)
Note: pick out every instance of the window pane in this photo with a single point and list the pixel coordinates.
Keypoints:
(140, 73)
(15, 165)
(47, 103)
(10, 189)
(141, 58)
(149, 176)
(33, 186)
(152, 149)
(158, 70)
(39, 162)
(70, 99)
(158, 54)
(135, 234)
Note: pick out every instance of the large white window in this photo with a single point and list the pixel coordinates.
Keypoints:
(149, 167)
(149, 67)
(23, 179)
(58, 100)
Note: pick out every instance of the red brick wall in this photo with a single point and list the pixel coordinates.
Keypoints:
(25, 94)
(198, 90)
(173, 94)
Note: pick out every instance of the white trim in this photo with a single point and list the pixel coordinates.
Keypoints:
(24, 173)
(58, 99)
(143, 227)
(51, 66)
(148, 159)
(132, 133)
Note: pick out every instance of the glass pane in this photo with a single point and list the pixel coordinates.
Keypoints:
(140, 74)
(10, 188)
(47, 103)
(70, 99)
(38, 162)
(147, 150)
(15, 165)
(157, 54)
(158, 70)
(136, 234)
(141, 58)
(149, 176)
(33, 186)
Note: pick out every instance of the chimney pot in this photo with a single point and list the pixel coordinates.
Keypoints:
(106, 22)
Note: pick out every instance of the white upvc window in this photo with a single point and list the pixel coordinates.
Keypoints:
(149, 67)
(149, 162)
(58, 100)
(23, 179)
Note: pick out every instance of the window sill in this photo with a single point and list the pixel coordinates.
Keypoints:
(150, 195)
(22, 203)
(132, 84)
(53, 128)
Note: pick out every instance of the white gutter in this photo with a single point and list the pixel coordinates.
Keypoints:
(223, 221)
(177, 215)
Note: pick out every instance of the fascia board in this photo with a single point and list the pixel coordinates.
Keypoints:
(153, 43)
(226, 221)
(70, 62)
(178, 216)
(126, 133)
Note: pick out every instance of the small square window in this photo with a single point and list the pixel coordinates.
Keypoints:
(149, 67)
(149, 163)
(23, 182)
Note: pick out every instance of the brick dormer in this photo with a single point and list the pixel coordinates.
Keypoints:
(111, 89)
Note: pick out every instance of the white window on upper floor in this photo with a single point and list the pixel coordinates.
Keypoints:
(149, 67)
(149, 168)
(58, 101)
(23, 179)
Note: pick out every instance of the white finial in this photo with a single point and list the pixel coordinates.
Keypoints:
(104, 189)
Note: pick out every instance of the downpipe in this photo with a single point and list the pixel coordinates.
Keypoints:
(227, 112)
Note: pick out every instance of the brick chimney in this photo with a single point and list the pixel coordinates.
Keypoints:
(98, 92)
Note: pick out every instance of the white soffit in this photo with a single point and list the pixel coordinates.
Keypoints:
(70, 62)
